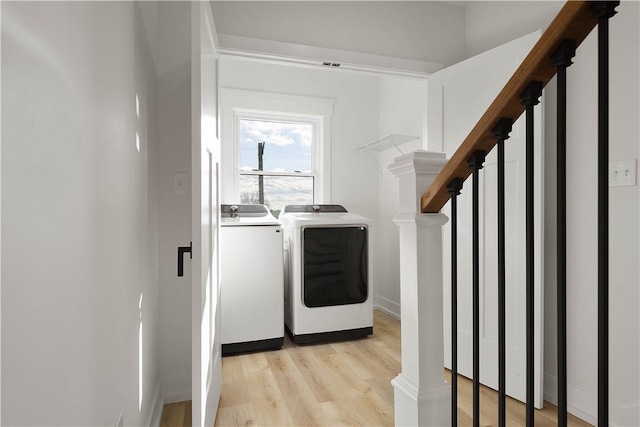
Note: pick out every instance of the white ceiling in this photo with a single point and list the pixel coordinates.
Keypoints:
(427, 31)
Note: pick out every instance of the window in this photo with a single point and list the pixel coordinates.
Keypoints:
(273, 149)
(277, 165)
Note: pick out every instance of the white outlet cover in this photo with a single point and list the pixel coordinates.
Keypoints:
(623, 173)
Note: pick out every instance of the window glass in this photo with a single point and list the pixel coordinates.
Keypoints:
(278, 191)
(287, 146)
(276, 163)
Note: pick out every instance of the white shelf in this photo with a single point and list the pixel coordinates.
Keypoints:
(389, 141)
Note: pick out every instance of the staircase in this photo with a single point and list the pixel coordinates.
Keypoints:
(421, 397)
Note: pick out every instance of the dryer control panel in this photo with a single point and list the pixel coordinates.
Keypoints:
(314, 209)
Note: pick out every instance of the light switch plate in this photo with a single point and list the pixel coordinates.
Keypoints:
(180, 184)
(622, 173)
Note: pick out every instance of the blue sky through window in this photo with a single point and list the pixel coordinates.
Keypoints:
(287, 145)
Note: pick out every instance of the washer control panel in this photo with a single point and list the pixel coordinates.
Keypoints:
(245, 211)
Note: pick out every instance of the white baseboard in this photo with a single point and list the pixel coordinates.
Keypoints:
(624, 415)
(387, 306)
(158, 405)
(583, 404)
(178, 396)
(580, 401)
(176, 387)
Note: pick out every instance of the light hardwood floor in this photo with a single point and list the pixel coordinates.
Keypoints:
(342, 383)
(176, 414)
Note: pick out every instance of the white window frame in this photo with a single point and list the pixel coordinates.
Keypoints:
(238, 104)
(316, 142)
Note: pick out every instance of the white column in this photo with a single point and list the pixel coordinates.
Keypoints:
(421, 396)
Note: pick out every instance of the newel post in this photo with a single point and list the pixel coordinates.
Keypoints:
(421, 395)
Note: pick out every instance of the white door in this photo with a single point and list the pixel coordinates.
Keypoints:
(458, 96)
(206, 381)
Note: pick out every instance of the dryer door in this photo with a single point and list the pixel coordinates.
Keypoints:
(335, 265)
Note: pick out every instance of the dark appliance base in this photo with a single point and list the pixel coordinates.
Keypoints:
(321, 337)
(244, 347)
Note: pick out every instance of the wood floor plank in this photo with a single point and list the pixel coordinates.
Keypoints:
(362, 369)
(343, 377)
(383, 388)
(310, 368)
(176, 414)
(234, 383)
(337, 384)
(238, 415)
(273, 413)
(296, 394)
(174, 417)
(259, 380)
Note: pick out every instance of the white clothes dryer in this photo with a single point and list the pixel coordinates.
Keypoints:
(327, 293)
(251, 279)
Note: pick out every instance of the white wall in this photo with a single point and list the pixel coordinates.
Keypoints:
(79, 295)
(582, 215)
(174, 156)
(516, 19)
(0, 216)
(402, 111)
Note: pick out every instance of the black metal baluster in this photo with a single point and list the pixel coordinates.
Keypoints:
(454, 188)
(562, 59)
(529, 98)
(501, 133)
(603, 11)
(475, 164)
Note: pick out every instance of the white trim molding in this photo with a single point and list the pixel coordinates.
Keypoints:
(421, 406)
(387, 306)
(235, 103)
(305, 55)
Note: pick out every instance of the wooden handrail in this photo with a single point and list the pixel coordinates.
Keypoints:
(574, 21)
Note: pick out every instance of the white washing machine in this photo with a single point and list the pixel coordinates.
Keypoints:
(252, 279)
(328, 275)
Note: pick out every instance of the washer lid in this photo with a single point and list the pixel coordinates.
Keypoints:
(246, 215)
